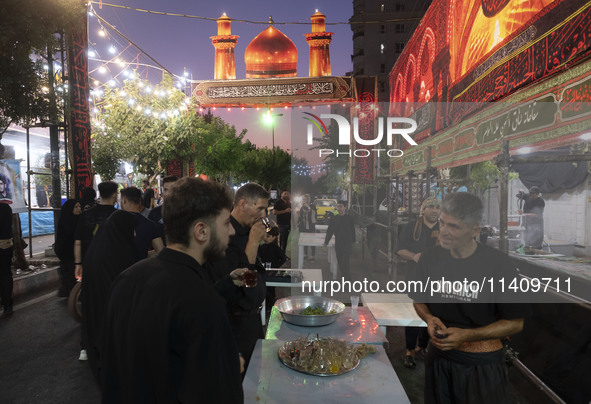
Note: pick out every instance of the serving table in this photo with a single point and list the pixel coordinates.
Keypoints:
(317, 240)
(267, 380)
(355, 327)
(391, 309)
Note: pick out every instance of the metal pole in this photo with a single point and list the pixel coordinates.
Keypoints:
(530, 376)
(503, 164)
(54, 143)
(29, 194)
(273, 132)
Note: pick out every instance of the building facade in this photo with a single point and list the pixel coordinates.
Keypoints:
(381, 28)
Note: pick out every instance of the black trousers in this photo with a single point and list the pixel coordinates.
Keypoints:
(283, 236)
(67, 278)
(343, 257)
(465, 378)
(412, 333)
(6, 282)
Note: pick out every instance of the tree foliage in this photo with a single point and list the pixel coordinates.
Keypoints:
(269, 168)
(29, 31)
(483, 174)
(149, 125)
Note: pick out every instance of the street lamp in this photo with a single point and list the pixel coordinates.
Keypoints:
(270, 119)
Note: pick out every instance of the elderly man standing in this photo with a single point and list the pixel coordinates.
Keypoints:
(167, 338)
(465, 363)
(244, 304)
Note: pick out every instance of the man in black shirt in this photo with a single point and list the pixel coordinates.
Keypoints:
(250, 204)
(148, 198)
(415, 238)
(147, 234)
(167, 338)
(90, 220)
(465, 336)
(533, 210)
(282, 210)
(343, 228)
(155, 214)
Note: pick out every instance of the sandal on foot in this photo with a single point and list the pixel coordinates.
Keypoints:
(409, 362)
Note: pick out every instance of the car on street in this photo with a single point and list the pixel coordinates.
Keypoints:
(325, 208)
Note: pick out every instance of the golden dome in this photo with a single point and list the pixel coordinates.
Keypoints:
(271, 54)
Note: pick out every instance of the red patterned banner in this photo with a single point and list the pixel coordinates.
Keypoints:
(366, 96)
(79, 118)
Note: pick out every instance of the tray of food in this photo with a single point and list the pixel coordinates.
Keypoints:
(310, 311)
(278, 275)
(319, 356)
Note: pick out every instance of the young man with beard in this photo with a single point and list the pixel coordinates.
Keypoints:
(167, 337)
(244, 304)
(465, 363)
(415, 238)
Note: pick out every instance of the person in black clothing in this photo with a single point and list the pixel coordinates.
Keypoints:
(465, 362)
(167, 338)
(244, 304)
(307, 224)
(147, 236)
(282, 209)
(88, 198)
(90, 220)
(270, 251)
(88, 224)
(147, 195)
(343, 228)
(6, 250)
(415, 238)
(111, 251)
(64, 244)
(533, 210)
(155, 214)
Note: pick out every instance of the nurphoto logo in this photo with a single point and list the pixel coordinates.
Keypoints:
(390, 127)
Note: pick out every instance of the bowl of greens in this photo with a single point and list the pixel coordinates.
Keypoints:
(309, 311)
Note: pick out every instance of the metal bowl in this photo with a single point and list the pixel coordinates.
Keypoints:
(291, 307)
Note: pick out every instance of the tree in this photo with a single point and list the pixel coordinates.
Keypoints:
(483, 174)
(29, 32)
(269, 168)
(149, 125)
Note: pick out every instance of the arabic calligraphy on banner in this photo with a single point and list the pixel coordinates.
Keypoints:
(251, 92)
(270, 90)
(524, 118)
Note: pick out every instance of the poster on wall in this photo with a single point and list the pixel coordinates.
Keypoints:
(11, 185)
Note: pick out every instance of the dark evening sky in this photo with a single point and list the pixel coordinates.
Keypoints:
(182, 42)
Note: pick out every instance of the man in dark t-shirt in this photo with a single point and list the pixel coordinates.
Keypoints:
(90, 220)
(415, 238)
(343, 229)
(147, 235)
(465, 324)
(282, 210)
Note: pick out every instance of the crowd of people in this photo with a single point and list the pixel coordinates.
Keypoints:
(185, 317)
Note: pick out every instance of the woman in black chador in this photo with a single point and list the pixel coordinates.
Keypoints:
(110, 253)
(64, 244)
